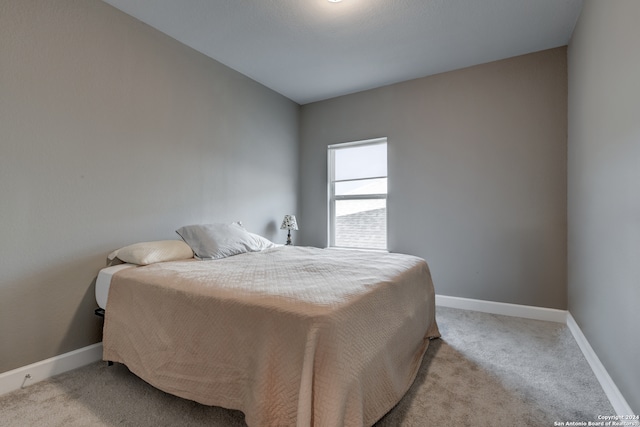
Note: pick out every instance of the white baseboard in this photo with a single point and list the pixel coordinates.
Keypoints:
(619, 403)
(612, 392)
(505, 309)
(30, 374)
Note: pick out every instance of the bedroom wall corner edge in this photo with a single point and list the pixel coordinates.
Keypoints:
(617, 400)
(619, 403)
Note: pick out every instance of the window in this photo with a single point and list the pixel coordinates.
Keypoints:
(358, 194)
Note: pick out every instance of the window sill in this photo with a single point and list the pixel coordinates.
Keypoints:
(357, 249)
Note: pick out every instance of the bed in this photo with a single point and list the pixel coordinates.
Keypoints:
(291, 336)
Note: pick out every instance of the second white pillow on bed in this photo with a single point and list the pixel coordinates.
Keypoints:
(145, 253)
(216, 241)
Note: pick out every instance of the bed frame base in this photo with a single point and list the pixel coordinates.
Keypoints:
(100, 313)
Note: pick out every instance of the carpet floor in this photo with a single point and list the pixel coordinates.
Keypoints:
(486, 370)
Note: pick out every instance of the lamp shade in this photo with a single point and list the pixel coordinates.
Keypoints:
(289, 223)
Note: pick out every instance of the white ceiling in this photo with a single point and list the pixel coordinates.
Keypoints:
(309, 50)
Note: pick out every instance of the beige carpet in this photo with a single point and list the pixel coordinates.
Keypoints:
(487, 370)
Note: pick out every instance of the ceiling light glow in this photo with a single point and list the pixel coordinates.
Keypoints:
(335, 1)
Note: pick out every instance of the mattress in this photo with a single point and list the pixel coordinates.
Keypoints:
(103, 282)
(291, 336)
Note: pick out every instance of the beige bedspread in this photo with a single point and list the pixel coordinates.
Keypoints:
(291, 336)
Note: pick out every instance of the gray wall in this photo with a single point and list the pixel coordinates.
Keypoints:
(604, 187)
(477, 174)
(113, 133)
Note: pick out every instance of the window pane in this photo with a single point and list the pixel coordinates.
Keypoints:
(361, 223)
(360, 162)
(365, 186)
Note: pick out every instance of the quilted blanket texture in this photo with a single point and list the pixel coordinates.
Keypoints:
(291, 336)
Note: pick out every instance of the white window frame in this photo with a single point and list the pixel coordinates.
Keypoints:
(332, 197)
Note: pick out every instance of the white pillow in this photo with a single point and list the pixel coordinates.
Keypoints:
(260, 243)
(151, 252)
(216, 241)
